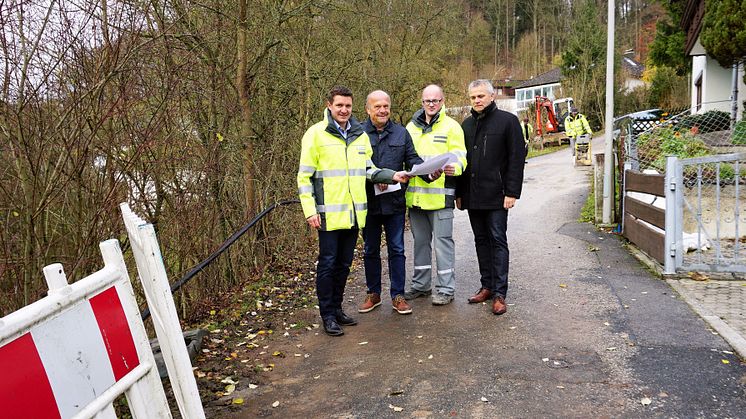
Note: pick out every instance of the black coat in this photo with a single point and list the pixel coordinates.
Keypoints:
(495, 155)
(392, 149)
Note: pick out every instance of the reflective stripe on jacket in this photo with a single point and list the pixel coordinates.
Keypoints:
(332, 174)
(442, 135)
(577, 126)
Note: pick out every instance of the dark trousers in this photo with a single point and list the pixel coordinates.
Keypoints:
(336, 249)
(491, 241)
(393, 225)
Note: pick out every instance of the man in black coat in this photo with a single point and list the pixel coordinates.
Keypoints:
(392, 148)
(492, 182)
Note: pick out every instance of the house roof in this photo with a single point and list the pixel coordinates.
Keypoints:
(550, 77)
(691, 22)
(634, 68)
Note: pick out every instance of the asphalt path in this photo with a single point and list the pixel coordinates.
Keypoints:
(589, 333)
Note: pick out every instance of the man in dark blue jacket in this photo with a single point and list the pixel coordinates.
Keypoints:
(392, 149)
(490, 186)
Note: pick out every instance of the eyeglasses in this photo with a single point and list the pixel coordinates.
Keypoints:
(432, 101)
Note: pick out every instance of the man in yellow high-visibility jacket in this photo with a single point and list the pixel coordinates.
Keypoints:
(335, 162)
(431, 204)
(576, 124)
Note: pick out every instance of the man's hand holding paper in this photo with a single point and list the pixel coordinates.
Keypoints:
(433, 164)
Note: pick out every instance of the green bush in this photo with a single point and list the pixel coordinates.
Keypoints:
(709, 121)
(654, 146)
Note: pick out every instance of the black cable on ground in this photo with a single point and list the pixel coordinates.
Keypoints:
(223, 247)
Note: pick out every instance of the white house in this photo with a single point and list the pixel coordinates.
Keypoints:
(545, 84)
(712, 84)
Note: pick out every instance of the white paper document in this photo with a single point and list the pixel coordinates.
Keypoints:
(391, 188)
(432, 164)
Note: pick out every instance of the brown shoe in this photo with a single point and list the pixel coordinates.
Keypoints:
(481, 296)
(400, 305)
(372, 300)
(498, 306)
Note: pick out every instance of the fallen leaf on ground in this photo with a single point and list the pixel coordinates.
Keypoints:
(238, 401)
(230, 388)
(698, 276)
(725, 361)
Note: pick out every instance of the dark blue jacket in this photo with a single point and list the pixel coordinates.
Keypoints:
(392, 149)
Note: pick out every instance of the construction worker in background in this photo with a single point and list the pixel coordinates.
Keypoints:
(528, 132)
(576, 125)
(431, 204)
(335, 160)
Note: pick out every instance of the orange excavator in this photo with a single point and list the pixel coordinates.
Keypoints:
(550, 117)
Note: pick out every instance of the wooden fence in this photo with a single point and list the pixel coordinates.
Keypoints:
(650, 240)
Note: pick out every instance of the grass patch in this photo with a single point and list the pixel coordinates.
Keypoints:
(588, 212)
(547, 150)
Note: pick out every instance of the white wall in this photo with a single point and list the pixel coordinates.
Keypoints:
(716, 85)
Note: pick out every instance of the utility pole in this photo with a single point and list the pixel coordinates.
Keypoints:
(609, 120)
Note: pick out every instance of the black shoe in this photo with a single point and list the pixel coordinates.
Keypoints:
(331, 327)
(344, 319)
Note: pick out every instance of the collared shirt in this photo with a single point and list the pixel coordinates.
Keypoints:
(342, 131)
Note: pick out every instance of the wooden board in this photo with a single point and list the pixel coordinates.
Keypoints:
(648, 240)
(640, 182)
(650, 213)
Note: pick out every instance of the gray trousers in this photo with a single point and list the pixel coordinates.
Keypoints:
(436, 226)
(572, 145)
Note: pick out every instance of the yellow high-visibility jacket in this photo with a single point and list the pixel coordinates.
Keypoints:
(577, 126)
(442, 135)
(332, 174)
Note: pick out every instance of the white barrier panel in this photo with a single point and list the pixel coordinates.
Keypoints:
(154, 280)
(73, 352)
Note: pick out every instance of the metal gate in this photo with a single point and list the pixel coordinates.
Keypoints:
(706, 226)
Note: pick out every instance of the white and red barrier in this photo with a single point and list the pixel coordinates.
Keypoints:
(72, 353)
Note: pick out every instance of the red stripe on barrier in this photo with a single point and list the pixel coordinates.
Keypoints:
(24, 387)
(116, 332)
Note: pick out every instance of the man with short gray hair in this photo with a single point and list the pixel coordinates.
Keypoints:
(490, 186)
(392, 149)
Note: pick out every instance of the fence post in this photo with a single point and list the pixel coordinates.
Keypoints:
(669, 266)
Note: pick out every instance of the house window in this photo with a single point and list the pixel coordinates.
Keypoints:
(698, 92)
